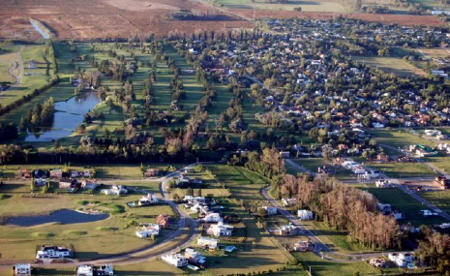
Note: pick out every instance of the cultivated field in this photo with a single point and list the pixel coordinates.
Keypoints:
(84, 19)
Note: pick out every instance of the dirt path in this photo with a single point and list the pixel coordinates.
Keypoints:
(16, 68)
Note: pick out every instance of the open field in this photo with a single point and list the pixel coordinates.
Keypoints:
(442, 163)
(100, 18)
(314, 6)
(440, 199)
(400, 170)
(90, 240)
(408, 20)
(393, 65)
(405, 204)
(400, 138)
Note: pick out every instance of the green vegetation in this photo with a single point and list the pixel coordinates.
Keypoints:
(401, 170)
(393, 65)
(440, 199)
(405, 204)
(312, 6)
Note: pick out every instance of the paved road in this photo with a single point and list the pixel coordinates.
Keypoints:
(321, 248)
(167, 246)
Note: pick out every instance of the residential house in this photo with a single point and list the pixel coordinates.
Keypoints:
(194, 257)
(220, 230)
(22, 269)
(39, 182)
(443, 182)
(285, 154)
(56, 173)
(288, 230)
(164, 221)
(305, 214)
(401, 259)
(151, 172)
(115, 190)
(270, 210)
(147, 230)
(39, 174)
(88, 184)
(303, 246)
(176, 260)
(24, 173)
(212, 217)
(85, 270)
(208, 242)
(379, 262)
(104, 270)
(183, 181)
(288, 201)
(67, 183)
(383, 183)
(148, 199)
(53, 252)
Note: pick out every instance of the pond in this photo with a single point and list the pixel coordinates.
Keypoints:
(68, 116)
(63, 216)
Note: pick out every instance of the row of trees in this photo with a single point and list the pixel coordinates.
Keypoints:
(39, 116)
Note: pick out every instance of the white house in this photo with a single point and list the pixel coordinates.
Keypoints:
(194, 257)
(53, 252)
(208, 242)
(213, 217)
(382, 183)
(176, 260)
(85, 270)
(401, 259)
(220, 230)
(89, 184)
(270, 210)
(147, 230)
(288, 201)
(22, 269)
(104, 270)
(115, 190)
(305, 214)
(148, 199)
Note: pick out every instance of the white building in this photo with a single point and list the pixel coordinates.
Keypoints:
(401, 259)
(382, 183)
(53, 252)
(104, 270)
(147, 230)
(148, 199)
(208, 242)
(115, 190)
(213, 217)
(220, 230)
(85, 270)
(176, 260)
(305, 214)
(288, 201)
(22, 269)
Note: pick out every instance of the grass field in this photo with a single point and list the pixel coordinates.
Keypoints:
(90, 240)
(400, 170)
(440, 199)
(442, 163)
(31, 78)
(392, 65)
(313, 5)
(405, 204)
(400, 138)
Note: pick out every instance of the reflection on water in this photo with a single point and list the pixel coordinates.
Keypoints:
(63, 216)
(68, 116)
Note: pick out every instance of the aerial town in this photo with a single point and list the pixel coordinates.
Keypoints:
(225, 137)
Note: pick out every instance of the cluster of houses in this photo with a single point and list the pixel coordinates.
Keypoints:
(403, 260)
(293, 69)
(421, 151)
(360, 170)
(184, 181)
(147, 200)
(437, 134)
(442, 182)
(71, 180)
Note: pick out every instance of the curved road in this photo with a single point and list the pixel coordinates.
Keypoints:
(167, 246)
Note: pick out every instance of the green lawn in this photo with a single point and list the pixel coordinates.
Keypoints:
(393, 65)
(440, 199)
(400, 138)
(442, 163)
(405, 204)
(399, 170)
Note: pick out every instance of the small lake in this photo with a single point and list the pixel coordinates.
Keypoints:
(63, 216)
(68, 116)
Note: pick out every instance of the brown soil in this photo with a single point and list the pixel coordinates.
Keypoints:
(402, 19)
(85, 19)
